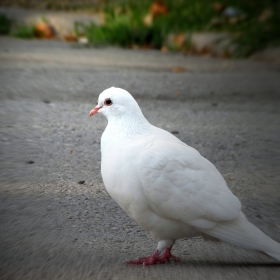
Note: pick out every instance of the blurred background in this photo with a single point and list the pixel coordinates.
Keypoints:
(234, 28)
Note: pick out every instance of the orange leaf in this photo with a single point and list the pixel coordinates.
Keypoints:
(44, 31)
(179, 69)
(158, 8)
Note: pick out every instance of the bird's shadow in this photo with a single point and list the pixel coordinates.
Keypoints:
(229, 264)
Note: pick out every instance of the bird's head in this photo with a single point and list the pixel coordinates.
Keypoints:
(115, 102)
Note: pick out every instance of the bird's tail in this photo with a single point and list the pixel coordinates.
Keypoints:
(242, 233)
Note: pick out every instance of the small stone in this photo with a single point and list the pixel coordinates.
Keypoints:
(214, 104)
(30, 162)
(81, 182)
(175, 132)
(46, 101)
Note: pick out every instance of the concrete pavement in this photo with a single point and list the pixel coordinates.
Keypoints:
(53, 226)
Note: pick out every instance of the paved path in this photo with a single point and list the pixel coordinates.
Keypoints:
(52, 227)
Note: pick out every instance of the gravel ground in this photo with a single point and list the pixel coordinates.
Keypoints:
(57, 220)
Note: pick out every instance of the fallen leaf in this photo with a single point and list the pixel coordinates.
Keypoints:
(72, 152)
(179, 69)
(226, 54)
(265, 15)
(218, 7)
(44, 31)
(233, 20)
(179, 40)
(145, 46)
(206, 51)
(158, 8)
(70, 38)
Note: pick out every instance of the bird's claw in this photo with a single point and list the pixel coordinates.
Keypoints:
(155, 258)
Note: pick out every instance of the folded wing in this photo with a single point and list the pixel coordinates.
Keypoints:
(180, 184)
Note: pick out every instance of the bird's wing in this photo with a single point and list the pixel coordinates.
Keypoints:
(179, 183)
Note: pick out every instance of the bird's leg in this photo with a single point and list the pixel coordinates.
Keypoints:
(167, 255)
(153, 259)
(156, 258)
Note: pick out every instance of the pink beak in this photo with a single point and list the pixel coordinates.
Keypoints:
(95, 110)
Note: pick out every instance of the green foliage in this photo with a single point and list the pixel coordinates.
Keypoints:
(122, 32)
(24, 31)
(5, 24)
(124, 25)
(257, 37)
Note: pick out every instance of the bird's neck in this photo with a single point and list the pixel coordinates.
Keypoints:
(128, 126)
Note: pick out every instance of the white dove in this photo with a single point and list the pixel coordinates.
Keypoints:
(166, 186)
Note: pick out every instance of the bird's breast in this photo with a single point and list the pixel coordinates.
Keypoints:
(119, 177)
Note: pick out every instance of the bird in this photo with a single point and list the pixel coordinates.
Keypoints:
(166, 186)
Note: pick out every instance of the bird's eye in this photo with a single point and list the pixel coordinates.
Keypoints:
(108, 102)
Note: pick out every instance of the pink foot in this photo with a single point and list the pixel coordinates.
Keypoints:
(167, 255)
(155, 258)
